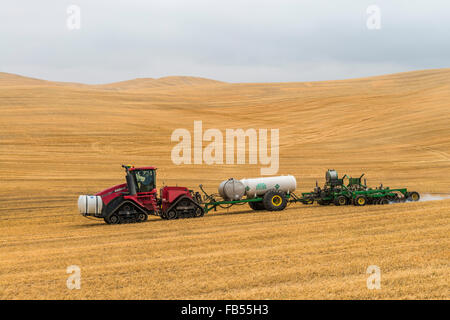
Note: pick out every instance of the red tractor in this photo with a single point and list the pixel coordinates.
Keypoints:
(136, 199)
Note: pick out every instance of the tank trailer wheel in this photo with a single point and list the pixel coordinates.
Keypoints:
(274, 200)
(360, 200)
(341, 201)
(256, 205)
(413, 196)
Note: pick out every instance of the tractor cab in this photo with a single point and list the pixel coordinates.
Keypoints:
(140, 180)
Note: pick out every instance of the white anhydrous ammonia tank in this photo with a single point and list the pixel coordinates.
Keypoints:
(90, 205)
(233, 189)
(259, 186)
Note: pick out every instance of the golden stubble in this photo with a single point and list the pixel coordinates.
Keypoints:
(61, 140)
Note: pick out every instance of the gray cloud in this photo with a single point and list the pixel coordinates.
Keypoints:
(237, 41)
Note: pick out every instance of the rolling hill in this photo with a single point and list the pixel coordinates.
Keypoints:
(59, 140)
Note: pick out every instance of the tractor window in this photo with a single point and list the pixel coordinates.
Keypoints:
(145, 180)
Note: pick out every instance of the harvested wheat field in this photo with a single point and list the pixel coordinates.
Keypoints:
(59, 140)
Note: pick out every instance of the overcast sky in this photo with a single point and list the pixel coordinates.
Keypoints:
(229, 40)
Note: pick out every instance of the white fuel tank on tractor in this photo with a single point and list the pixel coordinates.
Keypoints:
(90, 205)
